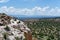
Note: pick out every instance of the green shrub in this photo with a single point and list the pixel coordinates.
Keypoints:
(17, 38)
(7, 28)
(5, 36)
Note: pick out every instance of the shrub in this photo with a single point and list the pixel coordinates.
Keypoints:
(7, 28)
(5, 36)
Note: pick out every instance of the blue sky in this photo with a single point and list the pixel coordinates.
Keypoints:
(31, 3)
(31, 7)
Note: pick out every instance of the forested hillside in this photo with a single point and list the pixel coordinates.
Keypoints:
(45, 29)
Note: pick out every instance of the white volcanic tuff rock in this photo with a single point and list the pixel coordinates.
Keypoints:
(2, 29)
(17, 32)
(11, 38)
(24, 28)
(14, 31)
(21, 25)
(15, 28)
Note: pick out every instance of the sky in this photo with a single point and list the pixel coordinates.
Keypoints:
(30, 7)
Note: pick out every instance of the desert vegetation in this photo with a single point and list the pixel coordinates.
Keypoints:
(45, 29)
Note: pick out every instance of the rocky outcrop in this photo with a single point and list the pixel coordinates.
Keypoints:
(13, 29)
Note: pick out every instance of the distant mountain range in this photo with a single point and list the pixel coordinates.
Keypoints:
(23, 17)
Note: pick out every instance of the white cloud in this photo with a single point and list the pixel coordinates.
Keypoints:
(3, 1)
(33, 11)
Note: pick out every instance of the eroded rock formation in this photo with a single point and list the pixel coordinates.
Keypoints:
(13, 29)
